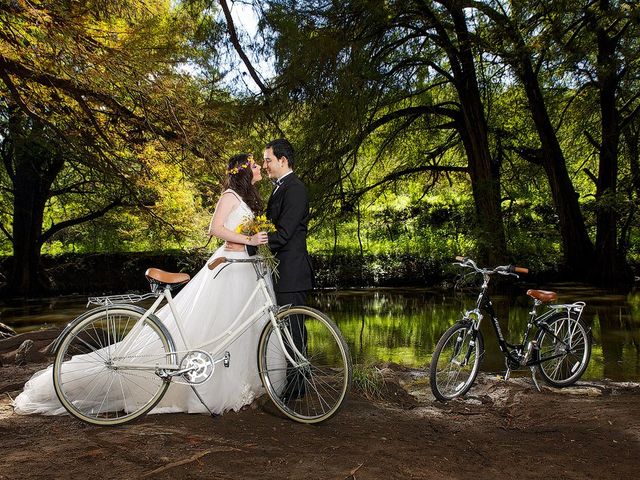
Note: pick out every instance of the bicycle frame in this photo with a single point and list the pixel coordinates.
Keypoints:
(484, 303)
(516, 353)
(232, 333)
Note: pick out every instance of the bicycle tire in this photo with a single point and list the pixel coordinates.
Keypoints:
(447, 378)
(313, 393)
(85, 368)
(567, 369)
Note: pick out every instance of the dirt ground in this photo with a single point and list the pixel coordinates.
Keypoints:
(500, 430)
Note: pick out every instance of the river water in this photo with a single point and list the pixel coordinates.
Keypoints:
(404, 325)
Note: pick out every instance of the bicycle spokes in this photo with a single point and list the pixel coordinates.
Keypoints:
(455, 362)
(313, 388)
(564, 350)
(99, 378)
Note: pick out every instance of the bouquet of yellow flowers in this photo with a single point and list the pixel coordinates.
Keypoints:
(260, 223)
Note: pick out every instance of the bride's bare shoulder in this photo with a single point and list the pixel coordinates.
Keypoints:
(229, 196)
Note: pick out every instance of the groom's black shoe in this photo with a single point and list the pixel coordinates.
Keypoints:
(293, 394)
(295, 388)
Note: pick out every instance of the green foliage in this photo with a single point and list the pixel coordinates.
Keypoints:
(129, 93)
(126, 97)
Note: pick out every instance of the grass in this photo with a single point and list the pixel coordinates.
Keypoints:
(369, 381)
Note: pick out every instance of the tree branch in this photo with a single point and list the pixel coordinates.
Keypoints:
(6, 232)
(236, 44)
(593, 178)
(629, 118)
(75, 91)
(592, 140)
(69, 86)
(20, 102)
(73, 188)
(6, 160)
(409, 171)
(76, 221)
(533, 155)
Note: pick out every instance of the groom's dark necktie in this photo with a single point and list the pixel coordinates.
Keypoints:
(276, 183)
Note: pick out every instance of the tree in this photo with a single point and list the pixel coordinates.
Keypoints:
(510, 35)
(616, 26)
(359, 70)
(558, 53)
(83, 88)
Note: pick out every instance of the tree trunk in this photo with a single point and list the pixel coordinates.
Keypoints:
(484, 170)
(485, 183)
(577, 246)
(35, 167)
(631, 138)
(609, 266)
(25, 276)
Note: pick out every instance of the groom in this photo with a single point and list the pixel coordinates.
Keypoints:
(288, 210)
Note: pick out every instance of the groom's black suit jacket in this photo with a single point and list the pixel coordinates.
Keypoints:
(288, 210)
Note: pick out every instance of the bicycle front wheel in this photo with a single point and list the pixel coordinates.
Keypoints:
(455, 361)
(315, 388)
(564, 349)
(105, 367)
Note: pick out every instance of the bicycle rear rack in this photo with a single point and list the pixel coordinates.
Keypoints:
(110, 300)
(569, 307)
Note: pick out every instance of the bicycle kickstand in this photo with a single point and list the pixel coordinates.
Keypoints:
(201, 400)
(535, 380)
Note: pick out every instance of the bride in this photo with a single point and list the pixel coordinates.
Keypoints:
(207, 306)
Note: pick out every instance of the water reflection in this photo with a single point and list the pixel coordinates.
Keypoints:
(404, 325)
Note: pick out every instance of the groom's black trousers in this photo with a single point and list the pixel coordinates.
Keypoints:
(298, 330)
(293, 298)
(295, 384)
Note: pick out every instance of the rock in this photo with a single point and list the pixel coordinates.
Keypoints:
(23, 352)
(588, 391)
(6, 331)
(27, 353)
(42, 338)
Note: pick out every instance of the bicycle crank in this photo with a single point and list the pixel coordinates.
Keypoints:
(196, 367)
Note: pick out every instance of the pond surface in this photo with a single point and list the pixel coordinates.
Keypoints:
(404, 325)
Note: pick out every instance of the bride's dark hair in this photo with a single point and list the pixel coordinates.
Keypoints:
(238, 179)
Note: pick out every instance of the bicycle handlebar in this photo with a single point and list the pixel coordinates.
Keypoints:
(220, 260)
(503, 269)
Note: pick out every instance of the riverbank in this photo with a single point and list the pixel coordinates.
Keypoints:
(99, 273)
(590, 431)
(105, 273)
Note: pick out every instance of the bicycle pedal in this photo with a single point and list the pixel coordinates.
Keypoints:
(227, 359)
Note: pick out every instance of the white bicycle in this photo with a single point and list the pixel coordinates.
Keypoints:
(126, 356)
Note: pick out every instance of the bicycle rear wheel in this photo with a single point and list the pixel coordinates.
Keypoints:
(105, 367)
(564, 349)
(455, 362)
(315, 390)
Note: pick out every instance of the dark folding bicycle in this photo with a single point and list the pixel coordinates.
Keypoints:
(558, 348)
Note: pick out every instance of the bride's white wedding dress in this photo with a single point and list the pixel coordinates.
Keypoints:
(207, 306)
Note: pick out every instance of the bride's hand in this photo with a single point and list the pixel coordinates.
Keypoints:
(259, 238)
